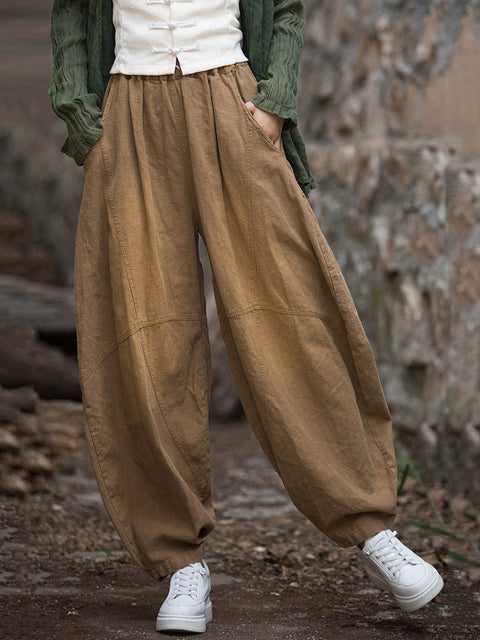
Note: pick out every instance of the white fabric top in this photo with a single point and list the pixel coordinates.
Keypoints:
(151, 34)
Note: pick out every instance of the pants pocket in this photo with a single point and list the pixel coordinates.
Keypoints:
(245, 89)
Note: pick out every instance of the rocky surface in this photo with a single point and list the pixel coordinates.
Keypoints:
(46, 308)
(35, 435)
(37, 337)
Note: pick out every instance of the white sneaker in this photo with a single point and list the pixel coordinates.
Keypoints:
(187, 606)
(394, 567)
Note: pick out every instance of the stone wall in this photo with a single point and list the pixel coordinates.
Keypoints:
(389, 99)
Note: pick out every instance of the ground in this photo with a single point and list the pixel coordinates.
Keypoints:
(64, 572)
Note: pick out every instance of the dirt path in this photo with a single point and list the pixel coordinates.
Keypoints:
(64, 572)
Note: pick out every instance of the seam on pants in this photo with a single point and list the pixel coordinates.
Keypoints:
(259, 386)
(204, 337)
(261, 383)
(181, 132)
(251, 237)
(121, 240)
(352, 340)
(118, 522)
(285, 311)
(365, 414)
(355, 342)
(104, 490)
(108, 498)
(127, 334)
(367, 422)
(204, 404)
(252, 123)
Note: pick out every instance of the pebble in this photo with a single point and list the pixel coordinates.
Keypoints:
(8, 442)
(27, 424)
(15, 485)
(60, 443)
(34, 433)
(37, 463)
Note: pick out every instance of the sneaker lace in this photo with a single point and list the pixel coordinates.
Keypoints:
(185, 581)
(392, 554)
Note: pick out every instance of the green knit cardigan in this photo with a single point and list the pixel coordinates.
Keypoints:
(83, 43)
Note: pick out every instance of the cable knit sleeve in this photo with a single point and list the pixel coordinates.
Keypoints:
(277, 92)
(68, 90)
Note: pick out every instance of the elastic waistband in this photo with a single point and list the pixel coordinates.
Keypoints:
(178, 73)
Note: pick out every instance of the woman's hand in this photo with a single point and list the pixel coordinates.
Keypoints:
(270, 123)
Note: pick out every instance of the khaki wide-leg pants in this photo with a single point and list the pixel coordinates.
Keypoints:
(179, 156)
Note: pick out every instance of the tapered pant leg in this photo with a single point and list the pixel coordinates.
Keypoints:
(302, 362)
(142, 335)
(180, 155)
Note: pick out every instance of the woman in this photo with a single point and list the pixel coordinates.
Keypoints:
(183, 114)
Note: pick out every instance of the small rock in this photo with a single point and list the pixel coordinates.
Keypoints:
(40, 484)
(60, 443)
(36, 462)
(474, 574)
(244, 544)
(8, 413)
(15, 486)
(27, 424)
(49, 425)
(9, 442)
(25, 398)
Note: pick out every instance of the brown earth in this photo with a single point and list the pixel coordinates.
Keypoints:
(64, 572)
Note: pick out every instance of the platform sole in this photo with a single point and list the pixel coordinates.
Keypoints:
(415, 601)
(192, 624)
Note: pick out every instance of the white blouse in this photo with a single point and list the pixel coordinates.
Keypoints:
(151, 34)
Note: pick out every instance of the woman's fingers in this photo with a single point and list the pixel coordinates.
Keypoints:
(270, 123)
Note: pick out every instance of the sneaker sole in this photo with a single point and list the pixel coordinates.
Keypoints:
(411, 603)
(193, 624)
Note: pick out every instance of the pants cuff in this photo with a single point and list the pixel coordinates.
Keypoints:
(162, 569)
(362, 527)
